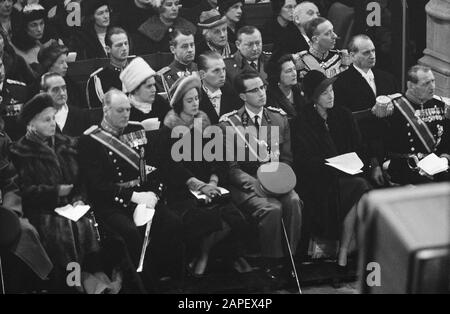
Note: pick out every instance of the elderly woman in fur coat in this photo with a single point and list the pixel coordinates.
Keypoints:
(48, 179)
(207, 223)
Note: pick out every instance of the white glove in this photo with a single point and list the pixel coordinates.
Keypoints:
(148, 198)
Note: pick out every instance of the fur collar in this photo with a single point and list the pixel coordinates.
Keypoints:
(154, 29)
(29, 148)
(173, 120)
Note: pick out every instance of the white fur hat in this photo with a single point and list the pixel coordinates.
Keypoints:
(135, 74)
(156, 3)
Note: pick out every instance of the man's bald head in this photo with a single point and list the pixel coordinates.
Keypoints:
(305, 12)
(362, 50)
(116, 108)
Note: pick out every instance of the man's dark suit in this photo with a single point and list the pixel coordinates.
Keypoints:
(352, 91)
(229, 101)
(78, 121)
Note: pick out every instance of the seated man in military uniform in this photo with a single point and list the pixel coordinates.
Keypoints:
(13, 95)
(249, 56)
(123, 167)
(419, 126)
(321, 55)
(103, 79)
(182, 46)
(271, 131)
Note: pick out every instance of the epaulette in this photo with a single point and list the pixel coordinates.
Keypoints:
(134, 123)
(267, 53)
(303, 53)
(9, 81)
(91, 130)
(445, 100)
(96, 72)
(163, 71)
(226, 116)
(395, 96)
(278, 110)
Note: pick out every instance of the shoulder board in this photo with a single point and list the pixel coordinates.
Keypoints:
(91, 130)
(445, 100)
(278, 110)
(15, 82)
(303, 53)
(96, 72)
(395, 96)
(267, 53)
(134, 123)
(163, 71)
(226, 116)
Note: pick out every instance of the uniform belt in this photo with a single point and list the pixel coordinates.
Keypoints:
(130, 184)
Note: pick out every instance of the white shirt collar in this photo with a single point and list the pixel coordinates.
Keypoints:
(217, 93)
(252, 115)
(61, 116)
(141, 106)
(368, 75)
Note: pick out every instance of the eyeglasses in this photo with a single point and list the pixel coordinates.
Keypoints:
(262, 88)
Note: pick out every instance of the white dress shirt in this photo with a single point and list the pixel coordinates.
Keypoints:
(61, 116)
(215, 98)
(252, 115)
(369, 77)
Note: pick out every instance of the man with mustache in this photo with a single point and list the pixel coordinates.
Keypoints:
(321, 55)
(182, 46)
(103, 79)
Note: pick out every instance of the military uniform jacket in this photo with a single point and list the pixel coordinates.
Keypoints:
(12, 97)
(243, 173)
(402, 139)
(106, 173)
(172, 73)
(331, 65)
(100, 83)
(238, 64)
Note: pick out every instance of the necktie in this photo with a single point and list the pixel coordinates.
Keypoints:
(253, 65)
(257, 122)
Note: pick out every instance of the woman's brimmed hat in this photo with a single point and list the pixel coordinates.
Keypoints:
(315, 83)
(35, 106)
(210, 19)
(183, 85)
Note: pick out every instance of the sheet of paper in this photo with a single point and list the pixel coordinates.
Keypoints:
(433, 165)
(200, 196)
(73, 213)
(151, 124)
(142, 215)
(349, 163)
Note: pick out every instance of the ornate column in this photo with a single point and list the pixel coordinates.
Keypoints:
(437, 53)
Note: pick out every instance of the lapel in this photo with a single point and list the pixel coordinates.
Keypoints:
(361, 81)
(208, 108)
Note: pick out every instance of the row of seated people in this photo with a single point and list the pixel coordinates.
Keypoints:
(360, 101)
(319, 131)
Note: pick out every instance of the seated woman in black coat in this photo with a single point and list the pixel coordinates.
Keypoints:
(217, 218)
(49, 179)
(323, 131)
(284, 91)
(89, 41)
